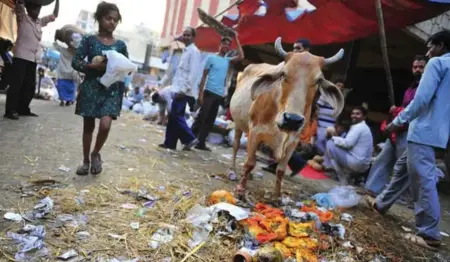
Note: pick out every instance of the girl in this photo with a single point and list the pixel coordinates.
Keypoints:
(94, 100)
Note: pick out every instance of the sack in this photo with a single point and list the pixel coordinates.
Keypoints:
(117, 68)
(66, 34)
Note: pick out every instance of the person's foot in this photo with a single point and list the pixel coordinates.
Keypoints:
(68, 103)
(12, 115)
(28, 114)
(166, 147)
(96, 163)
(272, 168)
(203, 148)
(61, 103)
(83, 170)
(190, 145)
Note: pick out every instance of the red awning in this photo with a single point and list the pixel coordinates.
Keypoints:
(334, 21)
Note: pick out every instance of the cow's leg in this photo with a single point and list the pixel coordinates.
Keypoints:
(281, 170)
(250, 163)
(236, 145)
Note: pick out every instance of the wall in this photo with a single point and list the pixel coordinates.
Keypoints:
(427, 28)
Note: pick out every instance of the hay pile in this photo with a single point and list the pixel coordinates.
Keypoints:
(109, 214)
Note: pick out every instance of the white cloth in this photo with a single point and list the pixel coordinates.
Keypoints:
(187, 75)
(117, 68)
(358, 142)
(65, 69)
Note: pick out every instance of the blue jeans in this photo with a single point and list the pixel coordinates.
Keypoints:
(397, 187)
(424, 176)
(383, 165)
(177, 127)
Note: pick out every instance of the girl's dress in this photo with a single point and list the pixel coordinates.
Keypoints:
(94, 100)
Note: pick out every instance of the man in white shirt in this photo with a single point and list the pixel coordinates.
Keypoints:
(352, 154)
(185, 87)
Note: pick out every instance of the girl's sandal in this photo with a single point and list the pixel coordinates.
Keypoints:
(83, 170)
(96, 164)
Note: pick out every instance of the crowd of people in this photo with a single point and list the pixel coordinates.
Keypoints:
(342, 145)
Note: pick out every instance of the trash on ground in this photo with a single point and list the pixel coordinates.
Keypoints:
(346, 217)
(68, 255)
(344, 196)
(30, 243)
(43, 208)
(162, 236)
(64, 169)
(13, 217)
(134, 225)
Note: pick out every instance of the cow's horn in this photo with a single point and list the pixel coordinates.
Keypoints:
(335, 58)
(279, 48)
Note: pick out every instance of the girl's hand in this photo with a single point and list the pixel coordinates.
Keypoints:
(98, 66)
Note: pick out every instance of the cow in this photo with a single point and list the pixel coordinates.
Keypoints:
(273, 103)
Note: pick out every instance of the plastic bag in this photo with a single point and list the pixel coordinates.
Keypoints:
(324, 200)
(215, 139)
(243, 139)
(117, 68)
(138, 109)
(344, 196)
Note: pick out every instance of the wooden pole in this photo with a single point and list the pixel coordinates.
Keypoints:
(384, 51)
(224, 11)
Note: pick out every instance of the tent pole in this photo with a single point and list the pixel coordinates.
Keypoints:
(384, 51)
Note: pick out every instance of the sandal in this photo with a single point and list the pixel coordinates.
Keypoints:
(83, 170)
(96, 165)
(372, 203)
(432, 245)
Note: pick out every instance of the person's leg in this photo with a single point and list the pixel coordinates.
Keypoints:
(199, 121)
(321, 141)
(296, 163)
(183, 131)
(381, 169)
(28, 90)
(173, 129)
(337, 158)
(397, 187)
(14, 91)
(212, 103)
(59, 89)
(423, 176)
(88, 130)
(103, 131)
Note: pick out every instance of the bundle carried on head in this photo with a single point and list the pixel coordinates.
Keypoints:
(222, 29)
(65, 34)
(40, 2)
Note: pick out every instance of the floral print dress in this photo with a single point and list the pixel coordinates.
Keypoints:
(94, 100)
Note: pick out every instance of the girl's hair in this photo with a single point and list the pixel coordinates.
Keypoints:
(104, 8)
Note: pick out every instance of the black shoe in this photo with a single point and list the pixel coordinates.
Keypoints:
(12, 115)
(272, 168)
(203, 148)
(28, 114)
(165, 147)
(61, 103)
(295, 172)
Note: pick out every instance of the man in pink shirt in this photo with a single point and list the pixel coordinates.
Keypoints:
(27, 55)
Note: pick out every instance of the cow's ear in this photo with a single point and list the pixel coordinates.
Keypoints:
(332, 94)
(265, 83)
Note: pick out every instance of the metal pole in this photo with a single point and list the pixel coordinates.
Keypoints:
(384, 51)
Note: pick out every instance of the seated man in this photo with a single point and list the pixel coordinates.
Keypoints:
(136, 96)
(340, 129)
(352, 154)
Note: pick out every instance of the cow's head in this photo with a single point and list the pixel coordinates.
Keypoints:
(297, 80)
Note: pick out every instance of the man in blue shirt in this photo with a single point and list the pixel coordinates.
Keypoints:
(428, 116)
(212, 89)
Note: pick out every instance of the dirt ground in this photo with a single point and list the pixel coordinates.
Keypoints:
(38, 147)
